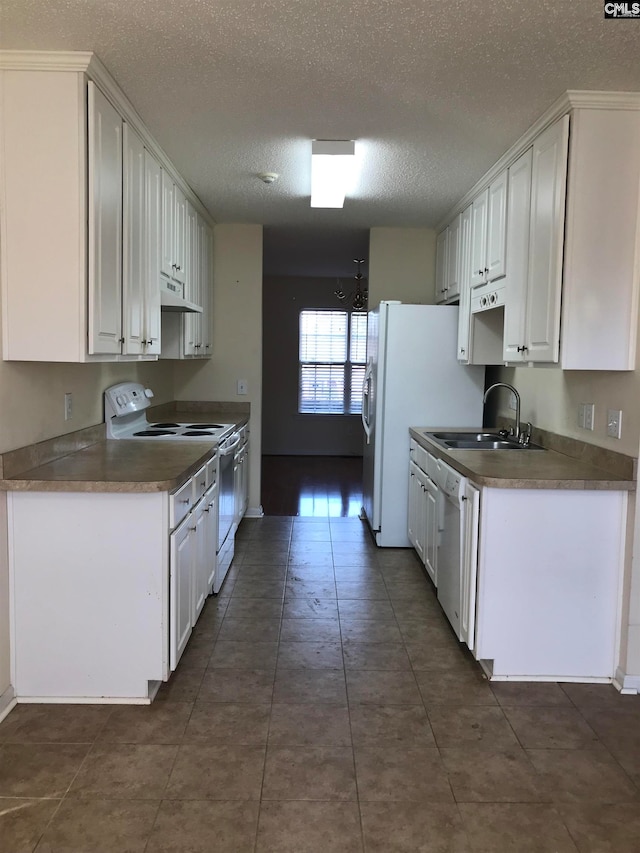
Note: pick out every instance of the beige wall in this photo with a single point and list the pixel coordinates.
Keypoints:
(237, 335)
(402, 265)
(550, 400)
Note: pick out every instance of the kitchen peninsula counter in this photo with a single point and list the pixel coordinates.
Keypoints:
(592, 468)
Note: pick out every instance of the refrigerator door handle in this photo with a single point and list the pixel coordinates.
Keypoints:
(365, 414)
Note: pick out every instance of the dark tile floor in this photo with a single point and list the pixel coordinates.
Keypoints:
(324, 706)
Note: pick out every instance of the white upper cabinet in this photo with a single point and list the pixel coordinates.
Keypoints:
(516, 335)
(133, 231)
(105, 225)
(88, 194)
(453, 260)
(153, 243)
(488, 233)
(464, 264)
(441, 265)
(558, 220)
(546, 239)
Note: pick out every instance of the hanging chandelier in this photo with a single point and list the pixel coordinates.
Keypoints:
(358, 298)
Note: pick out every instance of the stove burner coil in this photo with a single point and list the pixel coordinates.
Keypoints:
(198, 432)
(163, 426)
(155, 432)
(204, 426)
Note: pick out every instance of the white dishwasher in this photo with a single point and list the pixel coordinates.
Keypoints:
(451, 485)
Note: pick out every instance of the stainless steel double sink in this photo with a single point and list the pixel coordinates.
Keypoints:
(478, 440)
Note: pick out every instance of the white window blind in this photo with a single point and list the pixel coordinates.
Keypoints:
(332, 354)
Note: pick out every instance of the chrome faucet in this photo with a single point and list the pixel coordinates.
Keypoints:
(514, 431)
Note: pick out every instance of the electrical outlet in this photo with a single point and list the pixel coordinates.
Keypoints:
(512, 400)
(581, 415)
(589, 415)
(68, 406)
(614, 423)
(242, 386)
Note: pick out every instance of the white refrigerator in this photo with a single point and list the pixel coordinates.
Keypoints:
(412, 378)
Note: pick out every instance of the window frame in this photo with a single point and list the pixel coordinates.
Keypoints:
(347, 365)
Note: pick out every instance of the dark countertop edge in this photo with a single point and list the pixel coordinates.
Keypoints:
(608, 481)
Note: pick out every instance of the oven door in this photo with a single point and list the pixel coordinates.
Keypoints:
(226, 525)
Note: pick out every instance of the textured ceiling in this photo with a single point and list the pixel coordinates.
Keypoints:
(434, 91)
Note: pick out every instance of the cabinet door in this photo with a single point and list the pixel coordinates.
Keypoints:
(431, 529)
(180, 604)
(180, 235)
(464, 264)
(518, 220)
(206, 260)
(168, 225)
(496, 229)
(200, 562)
(133, 243)
(470, 564)
(212, 536)
(153, 253)
(105, 225)
(479, 238)
(546, 240)
(441, 265)
(453, 259)
(414, 502)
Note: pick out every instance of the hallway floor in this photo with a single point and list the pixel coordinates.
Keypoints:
(324, 706)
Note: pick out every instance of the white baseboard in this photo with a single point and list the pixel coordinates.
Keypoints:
(84, 700)
(7, 702)
(254, 512)
(626, 683)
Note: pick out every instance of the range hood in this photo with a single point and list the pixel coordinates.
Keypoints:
(172, 298)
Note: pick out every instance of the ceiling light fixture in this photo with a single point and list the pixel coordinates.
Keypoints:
(332, 170)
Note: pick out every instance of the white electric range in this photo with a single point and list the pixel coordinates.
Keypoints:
(125, 407)
(124, 413)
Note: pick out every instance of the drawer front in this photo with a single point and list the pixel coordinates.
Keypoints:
(421, 457)
(180, 502)
(199, 481)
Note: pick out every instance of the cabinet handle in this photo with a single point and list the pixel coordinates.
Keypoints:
(522, 349)
(486, 270)
(443, 289)
(121, 340)
(186, 502)
(192, 528)
(462, 350)
(178, 267)
(206, 509)
(480, 272)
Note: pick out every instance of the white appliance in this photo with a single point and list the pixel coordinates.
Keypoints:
(412, 378)
(124, 413)
(451, 486)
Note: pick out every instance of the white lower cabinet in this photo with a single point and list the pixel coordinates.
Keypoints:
(104, 598)
(181, 591)
(548, 587)
(423, 528)
(540, 574)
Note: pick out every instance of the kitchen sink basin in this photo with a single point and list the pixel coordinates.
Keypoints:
(478, 441)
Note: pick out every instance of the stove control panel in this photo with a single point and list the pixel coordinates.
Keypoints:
(125, 398)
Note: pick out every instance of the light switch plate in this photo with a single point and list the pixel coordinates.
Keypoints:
(242, 386)
(589, 415)
(614, 423)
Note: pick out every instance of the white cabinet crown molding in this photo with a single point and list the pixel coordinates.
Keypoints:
(571, 99)
(88, 63)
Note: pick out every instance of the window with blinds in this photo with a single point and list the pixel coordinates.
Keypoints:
(332, 353)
